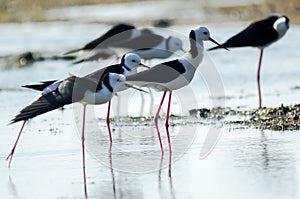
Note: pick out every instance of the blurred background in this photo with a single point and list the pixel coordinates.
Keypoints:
(34, 34)
(227, 10)
(79, 14)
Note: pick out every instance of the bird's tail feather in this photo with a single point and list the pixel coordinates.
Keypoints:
(44, 104)
(41, 86)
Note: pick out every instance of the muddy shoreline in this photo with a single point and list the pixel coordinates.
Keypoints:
(272, 118)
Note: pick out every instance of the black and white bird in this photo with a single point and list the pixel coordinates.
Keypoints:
(148, 46)
(96, 88)
(71, 90)
(153, 46)
(173, 75)
(128, 66)
(113, 37)
(259, 34)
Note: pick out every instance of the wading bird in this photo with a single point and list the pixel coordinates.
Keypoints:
(173, 75)
(259, 34)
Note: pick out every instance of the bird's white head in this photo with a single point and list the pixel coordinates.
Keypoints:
(174, 44)
(202, 33)
(281, 25)
(118, 83)
(199, 35)
(131, 60)
(116, 79)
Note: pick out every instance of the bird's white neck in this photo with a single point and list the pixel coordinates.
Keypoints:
(194, 56)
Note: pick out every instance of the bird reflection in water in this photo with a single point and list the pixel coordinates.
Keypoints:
(170, 180)
(112, 171)
(265, 154)
(12, 187)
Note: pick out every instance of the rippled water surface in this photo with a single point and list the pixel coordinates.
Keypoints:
(209, 160)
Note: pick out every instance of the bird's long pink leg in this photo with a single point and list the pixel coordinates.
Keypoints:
(156, 118)
(10, 156)
(167, 122)
(83, 151)
(258, 76)
(108, 122)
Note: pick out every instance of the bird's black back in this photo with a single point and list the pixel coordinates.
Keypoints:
(257, 34)
(160, 73)
(145, 41)
(116, 34)
(99, 74)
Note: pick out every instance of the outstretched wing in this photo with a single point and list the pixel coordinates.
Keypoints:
(44, 104)
(41, 86)
(68, 91)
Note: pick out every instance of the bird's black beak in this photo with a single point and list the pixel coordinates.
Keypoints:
(215, 42)
(142, 65)
(131, 86)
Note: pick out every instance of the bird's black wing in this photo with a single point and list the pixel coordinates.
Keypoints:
(68, 91)
(161, 73)
(95, 57)
(41, 86)
(144, 41)
(256, 34)
(115, 35)
(99, 74)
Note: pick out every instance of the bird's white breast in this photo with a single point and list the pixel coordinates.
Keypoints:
(100, 97)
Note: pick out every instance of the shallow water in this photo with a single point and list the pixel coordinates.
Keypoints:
(208, 161)
(244, 163)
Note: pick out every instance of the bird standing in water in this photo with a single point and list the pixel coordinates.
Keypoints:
(174, 74)
(259, 34)
(70, 90)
